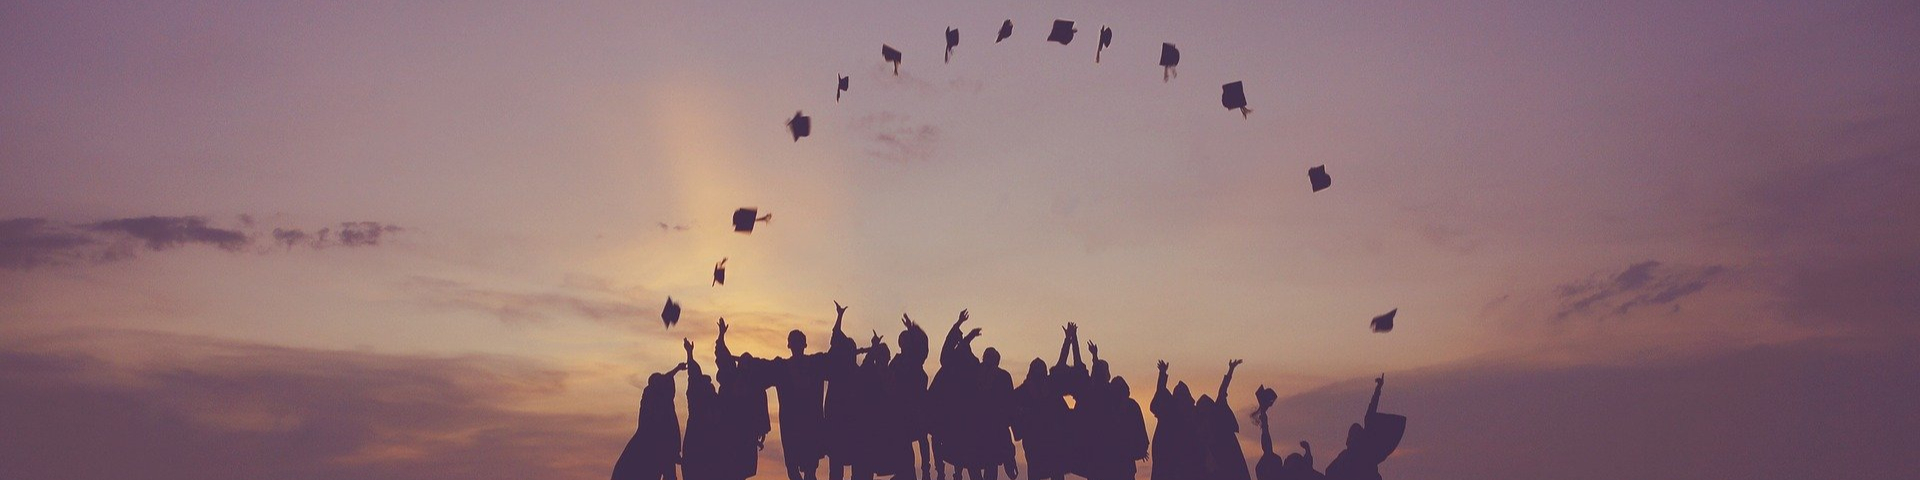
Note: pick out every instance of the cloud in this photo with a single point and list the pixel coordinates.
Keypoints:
(171, 406)
(1814, 409)
(27, 243)
(1646, 283)
(893, 136)
(526, 307)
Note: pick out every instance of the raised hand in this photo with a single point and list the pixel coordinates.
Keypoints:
(1163, 366)
(876, 339)
(963, 317)
(839, 311)
(689, 345)
(1305, 446)
(974, 333)
(906, 321)
(1232, 364)
(723, 326)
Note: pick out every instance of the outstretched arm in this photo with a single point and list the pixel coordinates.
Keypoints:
(1374, 406)
(676, 370)
(1073, 330)
(1066, 342)
(1162, 389)
(1266, 434)
(1309, 456)
(839, 316)
(1222, 397)
(1095, 350)
(693, 367)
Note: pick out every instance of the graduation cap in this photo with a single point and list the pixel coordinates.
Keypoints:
(1106, 38)
(801, 125)
(953, 40)
(1062, 32)
(1384, 323)
(720, 272)
(1169, 58)
(1234, 96)
(1006, 30)
(1318, 175)
(743, 219)
(843, 87)
(891, 56)
(671, 314)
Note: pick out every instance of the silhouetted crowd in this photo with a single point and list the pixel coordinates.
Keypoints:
(867, 410)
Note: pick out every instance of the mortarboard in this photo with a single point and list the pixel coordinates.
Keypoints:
(953, 40)
(720, 272)
(1006, 30)
(1169, 58)
(1384, 323)
(843, 87)
(800, 125)
(1234, 96)
(1106, 38)
(743, 219)
(671, 314)
(1062, 32)
(1318, 175)
(891, 56)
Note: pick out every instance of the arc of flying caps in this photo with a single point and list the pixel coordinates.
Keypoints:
(843, 88)
(800, 125)
(953, 40)
(1319, 178)
(1169, 58)
(743, 219)
(1234, 96)
(671, 314)
(1062, 32)
(1006, 30)
(1384, 323)
(1106, 38)
(720, 272)
(888, 54)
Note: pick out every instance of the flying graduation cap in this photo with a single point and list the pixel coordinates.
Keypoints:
(953, 40)
(1384, 323)
(1106, 38)
(800, 125)
(1234, 96)
(1006, 30)
(720, 272)
(1318, 175)
(671, 314)
(1062, 32)
(743, 219)
(891, 56)
(1169, 58)
(843, 88)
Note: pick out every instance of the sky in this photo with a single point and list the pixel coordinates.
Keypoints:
(428, 239)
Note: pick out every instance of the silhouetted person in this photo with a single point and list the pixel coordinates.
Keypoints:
(1270, 466)
(951, 391)
(1038, 422)
(910, 390)
(1300, 467)
(705, 444)
(654, 450)
(1370, 444)
(799, 382)
(743, 393)
(880, 446)
(993, 419)
(1121, 433)
(1218, 428)
(1176, 451)
(841, 366)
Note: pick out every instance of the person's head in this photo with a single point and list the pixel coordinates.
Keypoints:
(1295, 461)
(1037, 370)
(1205, 402)
(990, 358)
(913, 343)
(1181, 394)
(1100, 373)
(797, 342)
(1354, 434)
(1120, 389)
(879, 355)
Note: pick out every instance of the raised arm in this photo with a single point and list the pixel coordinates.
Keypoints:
(1073, 331)
(676, 370)
(1222, 397)
(1309, 455)
(1066, 342)
(1374, 406)
(839, 316)
(693, 368)
(1266, 434)
(1095, 350)
(1162, 389)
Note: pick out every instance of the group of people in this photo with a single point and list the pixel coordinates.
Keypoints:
(867, 410)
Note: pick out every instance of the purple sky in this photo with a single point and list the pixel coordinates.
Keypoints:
(1626, 239)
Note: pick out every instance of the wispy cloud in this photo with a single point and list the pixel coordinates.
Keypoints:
(1648, 283)
(896, 137)
(528, 307)
(28, 243)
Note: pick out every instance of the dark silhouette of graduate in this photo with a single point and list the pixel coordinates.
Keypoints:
(1218, 429)
(1370, 444)
(909, 379)
(1270, 466)
(992, 420)
(1176, 453)
(799, 382)
(654, 451)
(743, 397)
(842, 367)
(705, 443)
(1120, 431)
(952, 390)
(1039, 418)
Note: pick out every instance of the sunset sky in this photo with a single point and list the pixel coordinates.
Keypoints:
(1636, 239)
